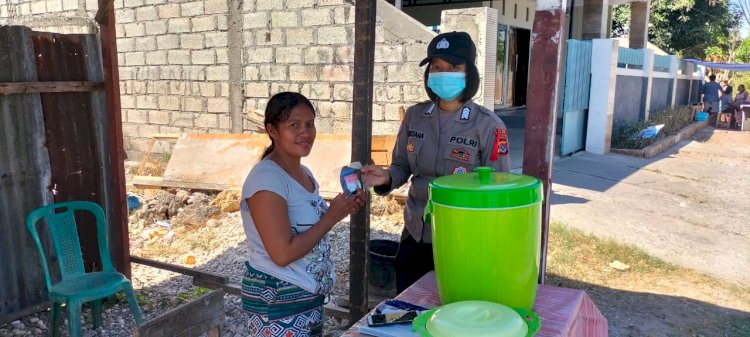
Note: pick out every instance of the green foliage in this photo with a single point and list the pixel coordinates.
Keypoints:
(620, 20)
(674, 119)
(737, 78)
(688, 28)
(198, 292)
(742, 55)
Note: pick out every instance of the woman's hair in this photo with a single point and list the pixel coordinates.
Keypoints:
(728, 90)
(279, 108)
(472, 83)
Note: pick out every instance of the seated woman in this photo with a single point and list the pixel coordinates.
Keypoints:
(727, 104)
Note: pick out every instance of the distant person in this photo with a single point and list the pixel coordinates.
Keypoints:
(289, 271)
(740, 99)
(727, 103)
(724, 84)
(710, 91)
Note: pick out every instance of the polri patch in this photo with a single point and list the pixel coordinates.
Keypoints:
(500, 147)
(461, 154)
(466, 141)
(465, 114)
(459, 170)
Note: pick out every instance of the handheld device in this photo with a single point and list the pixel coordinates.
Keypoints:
(399, 317)
(351, 178)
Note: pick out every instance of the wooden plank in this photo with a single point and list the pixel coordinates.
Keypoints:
(364, 65)
(212, 277)
(191, 319)
(544, 73)
(25, 312)
(229, 288)
(10, 88)
(102, 14)
(116, 150)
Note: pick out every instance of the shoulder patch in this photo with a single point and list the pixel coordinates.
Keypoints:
(500, 147)
(430, 109)
(465, 113)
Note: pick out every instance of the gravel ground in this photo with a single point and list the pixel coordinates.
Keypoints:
(218, 246)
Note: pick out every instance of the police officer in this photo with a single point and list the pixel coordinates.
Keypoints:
(449, 134)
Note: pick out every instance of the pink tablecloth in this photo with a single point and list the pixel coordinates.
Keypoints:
(563, 312)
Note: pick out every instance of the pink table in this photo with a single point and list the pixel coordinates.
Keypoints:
(563, 312)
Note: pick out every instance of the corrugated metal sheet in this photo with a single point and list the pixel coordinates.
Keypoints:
(662, 63)
(71, 133)
(630, 57)
(24, 175)
(50, 141)
(576, 96)
(577, 75)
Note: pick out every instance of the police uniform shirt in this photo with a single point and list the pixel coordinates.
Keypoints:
(425, 150)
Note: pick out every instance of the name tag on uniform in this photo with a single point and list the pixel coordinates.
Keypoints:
(466, 141)
(416, 134)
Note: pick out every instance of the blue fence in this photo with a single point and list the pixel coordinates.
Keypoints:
(630, 58)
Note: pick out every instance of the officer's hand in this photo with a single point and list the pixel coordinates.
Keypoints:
(375, 176)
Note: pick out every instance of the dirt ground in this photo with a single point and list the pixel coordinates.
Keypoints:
(689, 206)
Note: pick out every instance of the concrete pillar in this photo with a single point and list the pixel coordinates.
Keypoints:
(595, 17)
(674, 65)
(648, 78)
(602, 97)
(234, 60)
(639, 12)
(690, 71)
(481, 24)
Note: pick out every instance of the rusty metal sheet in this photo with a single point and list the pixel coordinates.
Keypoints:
(24, 176)
(71, 130)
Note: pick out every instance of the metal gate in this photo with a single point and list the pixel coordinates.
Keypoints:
(576, 97)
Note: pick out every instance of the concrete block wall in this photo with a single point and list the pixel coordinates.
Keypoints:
(308, 46)
(175, 65)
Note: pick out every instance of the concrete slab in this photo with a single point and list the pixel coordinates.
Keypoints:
(224, 160)
(688, 206)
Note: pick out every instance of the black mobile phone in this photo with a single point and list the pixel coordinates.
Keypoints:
(399, 317)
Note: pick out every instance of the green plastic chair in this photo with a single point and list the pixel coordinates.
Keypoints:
(76, 286)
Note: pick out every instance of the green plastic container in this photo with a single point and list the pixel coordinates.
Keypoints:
(486, 233)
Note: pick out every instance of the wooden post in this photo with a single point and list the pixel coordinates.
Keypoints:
(119, 219)
(546, 46)
(364, 65)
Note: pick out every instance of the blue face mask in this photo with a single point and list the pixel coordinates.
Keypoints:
(448, 85)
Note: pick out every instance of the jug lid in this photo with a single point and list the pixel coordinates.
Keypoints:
(476, 318)
(486, 189)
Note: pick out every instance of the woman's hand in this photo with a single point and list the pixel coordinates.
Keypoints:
(343, 205)
(375, 176)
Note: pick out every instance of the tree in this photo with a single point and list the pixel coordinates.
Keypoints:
(688, 28)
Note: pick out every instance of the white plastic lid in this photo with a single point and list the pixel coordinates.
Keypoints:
(476, 319)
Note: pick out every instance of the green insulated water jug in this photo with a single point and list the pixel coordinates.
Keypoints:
(486, 232)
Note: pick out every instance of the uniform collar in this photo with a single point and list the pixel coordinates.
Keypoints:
(464, 114)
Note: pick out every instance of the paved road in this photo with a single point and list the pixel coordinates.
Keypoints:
(690, 205)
